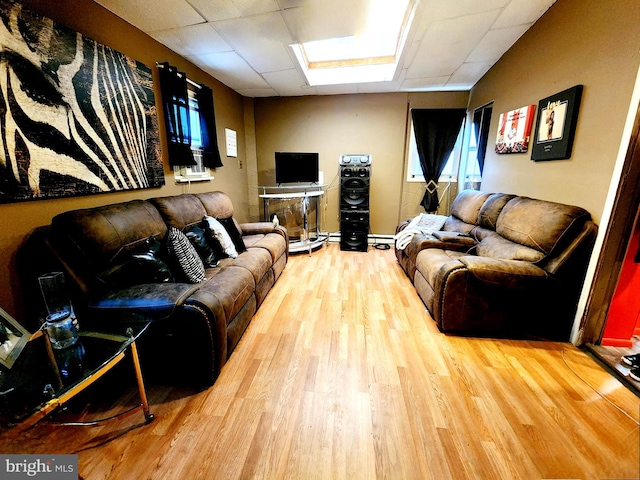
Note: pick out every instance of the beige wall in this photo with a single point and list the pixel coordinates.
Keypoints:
(333, 125)
(88, 18)
(588, 42)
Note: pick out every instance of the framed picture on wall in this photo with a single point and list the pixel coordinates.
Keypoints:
(556, 125)
(13, 338)
(514, 130)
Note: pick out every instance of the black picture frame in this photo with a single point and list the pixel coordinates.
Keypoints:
(13, 338)
(556, 125)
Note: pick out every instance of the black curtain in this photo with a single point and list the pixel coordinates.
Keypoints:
(210, 152)
(436, 131)
(175, 103)
(481, 121)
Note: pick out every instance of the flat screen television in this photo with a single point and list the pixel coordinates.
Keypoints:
(293, 167)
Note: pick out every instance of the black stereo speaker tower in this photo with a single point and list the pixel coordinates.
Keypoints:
(355, 174)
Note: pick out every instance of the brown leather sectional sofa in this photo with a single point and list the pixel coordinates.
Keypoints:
(504, 265)
(195, 326)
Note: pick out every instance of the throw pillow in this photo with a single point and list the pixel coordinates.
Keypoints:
(235, 234)
(220, 233)
(142, 266)
(185, 256)
(198, 239)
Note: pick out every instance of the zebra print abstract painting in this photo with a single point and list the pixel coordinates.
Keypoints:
(76, 117)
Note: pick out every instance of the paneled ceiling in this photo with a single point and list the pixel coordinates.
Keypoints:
(245, 43)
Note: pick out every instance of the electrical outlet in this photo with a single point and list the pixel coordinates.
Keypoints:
(240, 164)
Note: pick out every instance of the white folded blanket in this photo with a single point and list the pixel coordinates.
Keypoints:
(425, 223)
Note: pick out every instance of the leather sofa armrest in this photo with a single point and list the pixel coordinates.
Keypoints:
(152, 301)
(508, 274)
(262, 227)
(421, 242)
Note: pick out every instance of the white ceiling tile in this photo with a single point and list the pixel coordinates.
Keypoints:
(288, 83)
(162, 15)
(258, 92)
(327, 19)
(215, 10)
(447, 44)
(495, 43)
(230, 69)
(434, 10)
(262, 40)
(337, 89)
(192, 40)
(468, 74)
(423, 84)
(379, 87)
(520, 12)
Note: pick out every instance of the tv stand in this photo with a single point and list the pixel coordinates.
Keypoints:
(303, 194)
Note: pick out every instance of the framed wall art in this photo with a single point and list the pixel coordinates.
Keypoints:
(13, 338)
(79, 117)
(556, 125)
(514, 130)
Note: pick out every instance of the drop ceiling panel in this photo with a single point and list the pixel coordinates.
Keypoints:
(495, 43)
(467, 75)
(215, 10)
(162, 15)
(261, 40)
(456, 38)
(230, 69)
(288, 83)
(323, 20)
(519, 12)
(193, 40)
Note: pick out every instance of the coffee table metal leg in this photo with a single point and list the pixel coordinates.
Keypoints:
(143, 394)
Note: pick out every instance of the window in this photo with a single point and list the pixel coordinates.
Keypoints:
(196, 172)
(450, 170)
(476, 148)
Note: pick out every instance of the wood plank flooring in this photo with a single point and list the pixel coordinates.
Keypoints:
(342, 374)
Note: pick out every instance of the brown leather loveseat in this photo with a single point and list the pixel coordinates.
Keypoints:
(502, 265)
(105, 252)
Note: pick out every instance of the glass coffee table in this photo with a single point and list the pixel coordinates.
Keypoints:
(43, 379)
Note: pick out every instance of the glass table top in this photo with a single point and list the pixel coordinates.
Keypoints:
(41, 373)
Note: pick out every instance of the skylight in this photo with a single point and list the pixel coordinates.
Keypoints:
(370, 55)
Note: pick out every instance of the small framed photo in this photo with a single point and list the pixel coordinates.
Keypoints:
(556, 125)
(13, 338)
(514, 130)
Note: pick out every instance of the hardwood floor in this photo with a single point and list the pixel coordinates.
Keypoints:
(342, 374)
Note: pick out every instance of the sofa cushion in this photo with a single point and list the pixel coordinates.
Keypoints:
(540, 224)
(272, 242)
(180, 211)
(185, 256)
(216, 204)
(97, 235)
(217, 231)
(494, 246)
(491, 208)
(467, 204)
